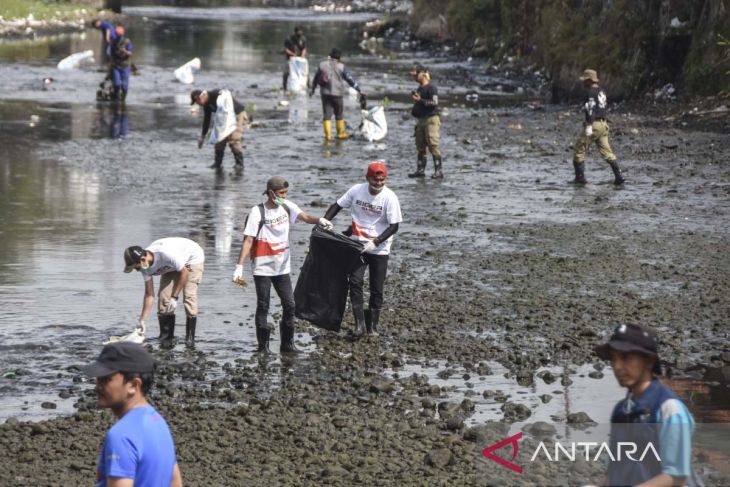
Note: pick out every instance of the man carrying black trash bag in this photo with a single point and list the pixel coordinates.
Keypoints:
(376, 214)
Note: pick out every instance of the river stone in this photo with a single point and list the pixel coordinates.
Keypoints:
(540, 429)
(515, 412)
(439, 457)
(579, 418)
(48, 405)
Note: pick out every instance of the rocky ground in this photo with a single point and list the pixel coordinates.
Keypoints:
(484, 283)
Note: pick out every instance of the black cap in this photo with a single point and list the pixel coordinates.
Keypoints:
(194, 96)
(335, 53)
(120, 357)
(276, 183)
(631, 338)
(132, 255)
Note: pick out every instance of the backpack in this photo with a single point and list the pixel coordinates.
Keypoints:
(262, 212)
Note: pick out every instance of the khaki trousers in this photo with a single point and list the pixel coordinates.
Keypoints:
(600, 137)
(427, 135)
(190, 291)
(234, 140)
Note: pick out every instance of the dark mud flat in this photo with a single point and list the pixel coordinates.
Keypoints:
(503, 263)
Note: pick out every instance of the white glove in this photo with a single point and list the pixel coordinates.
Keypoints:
(200, 142)
(171, 306)
(326, 224)
(141, 328)
(369, 247)
(238, 273)
(589, 130)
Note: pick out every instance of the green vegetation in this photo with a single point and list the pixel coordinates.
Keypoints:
(40, 9)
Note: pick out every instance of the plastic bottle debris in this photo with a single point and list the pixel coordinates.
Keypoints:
(75, 60)
(184, 74)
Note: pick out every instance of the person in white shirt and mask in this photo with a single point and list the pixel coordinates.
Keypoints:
(266, 243)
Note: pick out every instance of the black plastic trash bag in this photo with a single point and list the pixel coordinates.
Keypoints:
(321, 291)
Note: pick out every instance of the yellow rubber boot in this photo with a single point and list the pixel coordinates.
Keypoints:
(327, 126)
(341, 134)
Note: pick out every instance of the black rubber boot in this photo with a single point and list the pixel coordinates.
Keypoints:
(580, 175)
(284, 80)
(437, 169)
(124, 96)
(421, 168)
(374, 319)
(262, 337)
(190, 324)
(239, 160)
(287, 340)
(218, 160)
(115, 93)
(359, 315)
(618, 177)
(167, 330)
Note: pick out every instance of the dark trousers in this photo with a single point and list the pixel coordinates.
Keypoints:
(282, 286)
(378, 266)
(332, 105)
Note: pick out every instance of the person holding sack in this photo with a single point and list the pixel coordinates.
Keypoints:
(266, 242)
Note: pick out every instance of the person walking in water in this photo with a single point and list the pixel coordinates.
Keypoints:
(227, 129)
(331, 77)
(426, 110)
(294, 46)
(121, 52)
(595, 129)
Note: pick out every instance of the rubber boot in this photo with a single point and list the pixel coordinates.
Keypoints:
(190, 324)
(124, 96)
(287, 339)
(167, 330)
(327, 126)
(421, 168)
(437, 168)
(239, 160)
(618, 177)
(580, 176)
(115, 93)
(359, 315)
(374, 319)
(341, 134)
(262, 337)
(284, 80)
(218, 160)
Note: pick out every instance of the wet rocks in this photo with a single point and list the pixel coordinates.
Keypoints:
(439, 458)
(515, 412)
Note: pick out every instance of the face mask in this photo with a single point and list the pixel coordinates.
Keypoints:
(144, 266)
(279, 201)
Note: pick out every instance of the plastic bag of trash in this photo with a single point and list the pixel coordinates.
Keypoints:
(298, 75)
(224, 120)
(320, 295)
(374, 126)
(184, 74)
(135, 337)
(75, 60)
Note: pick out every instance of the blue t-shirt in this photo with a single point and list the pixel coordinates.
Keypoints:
(659, 418)
(140, 447)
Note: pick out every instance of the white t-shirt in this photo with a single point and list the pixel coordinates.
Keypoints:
(171, 255)
(270, 251)
(371, 214)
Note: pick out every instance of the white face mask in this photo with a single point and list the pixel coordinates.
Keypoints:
(143, 266)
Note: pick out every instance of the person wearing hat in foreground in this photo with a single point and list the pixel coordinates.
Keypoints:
(376, 215)
(266, 243)
(138, 449)
(331, 76)
(426, 111)
(221, 102)
(595, 129)
(179, 263)
(650, 412)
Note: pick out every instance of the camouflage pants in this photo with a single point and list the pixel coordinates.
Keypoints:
(600, 137)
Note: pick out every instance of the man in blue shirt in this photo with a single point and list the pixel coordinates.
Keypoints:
(651, 414)
(121, 52)
(138, 450)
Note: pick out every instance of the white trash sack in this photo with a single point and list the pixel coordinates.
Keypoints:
(184, 74)
(374, 126)
(135, 337)
(75, 60)
(298, 75)
(224, 120)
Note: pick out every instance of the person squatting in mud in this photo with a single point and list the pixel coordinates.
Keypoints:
(121, 52)
(294, 46)
(331, 76)
(376, 215)
(266, 243)
(426, 110)
(179, 261)
(595, 129)
(216, 101)
(650, 413)
(139, 448)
